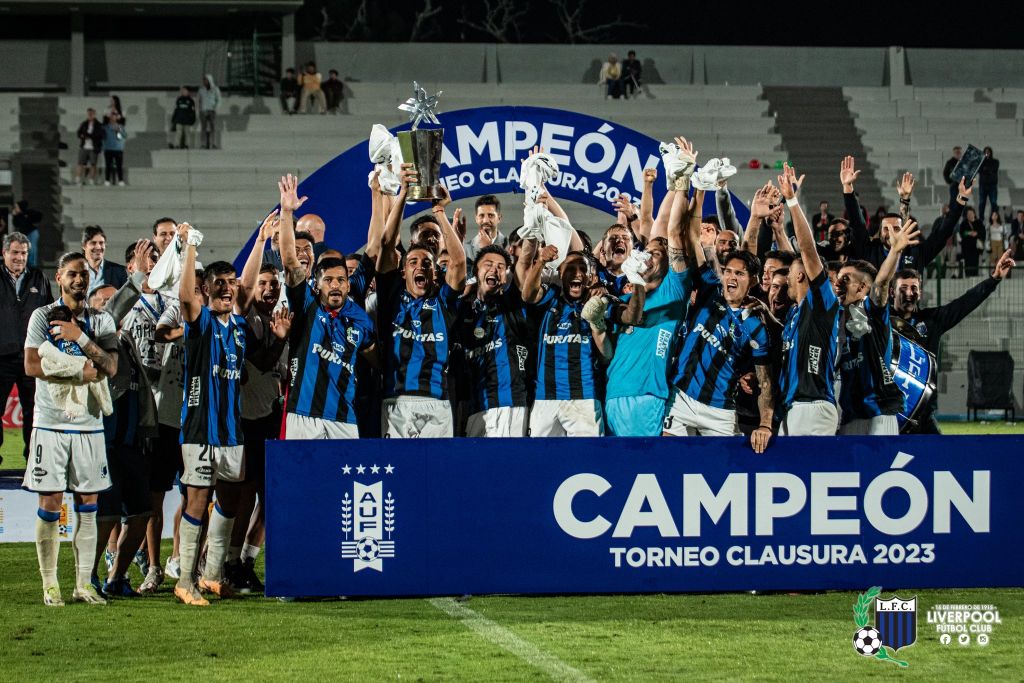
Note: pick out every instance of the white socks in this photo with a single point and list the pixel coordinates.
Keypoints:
(217, 539)
(84, 544)
(47, 545)
(250, 552)
(189, 530)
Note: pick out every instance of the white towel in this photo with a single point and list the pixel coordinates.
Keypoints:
(386, 155)
(536, 171)
(72, 396)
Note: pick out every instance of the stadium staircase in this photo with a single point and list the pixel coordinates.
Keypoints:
(817, 131)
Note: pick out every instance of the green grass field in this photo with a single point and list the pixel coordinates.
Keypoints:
(496, 638)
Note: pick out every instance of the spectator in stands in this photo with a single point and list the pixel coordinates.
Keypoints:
(90, 142)
(821, 221)
(998, 238)
(334, 91)
(632, 71)
(209, 100)
(26, 221)
(972, 241)
(113, 143)
(101, 271)
(24, 289)
(289, 95)
(988, 182)
(1017, 235)
(183, 118)
(312, 93)
(947, 171)
(611, 77)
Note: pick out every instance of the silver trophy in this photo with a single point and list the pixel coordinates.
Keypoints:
(422, 147)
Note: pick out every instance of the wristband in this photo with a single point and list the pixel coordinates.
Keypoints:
(961, 199)
(83, 340)
(764, 427)
(792, 201)
(905, 201)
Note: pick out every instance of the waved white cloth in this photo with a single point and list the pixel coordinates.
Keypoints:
(676, 164)
(386, 155)
(72, 396)
(635, 266)
(720, 169)
(705, 178)
(857, 320)
(541, 225)
(536, 171)
(595, 311)
(166, 274)
(195, 238)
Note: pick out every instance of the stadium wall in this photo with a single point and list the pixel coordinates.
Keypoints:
(45, 64)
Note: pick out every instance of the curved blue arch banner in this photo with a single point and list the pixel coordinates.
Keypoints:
(483, 150)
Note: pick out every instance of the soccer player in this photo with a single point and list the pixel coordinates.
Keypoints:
(723, 337)
(328, 332)
(568, 387)
(927, 325)
(493, 337)
(810, 338)
(217, 340)
(869, 397)
(638, 373)
(419, 317)
(67, 452)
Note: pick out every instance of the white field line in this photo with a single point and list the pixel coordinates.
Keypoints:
(506, 639)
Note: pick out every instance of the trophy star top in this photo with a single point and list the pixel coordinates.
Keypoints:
(420, 106)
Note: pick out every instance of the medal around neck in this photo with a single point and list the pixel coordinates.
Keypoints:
(422, 146)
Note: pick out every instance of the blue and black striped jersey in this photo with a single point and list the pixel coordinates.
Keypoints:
(868, 388)
(566, 359)
(323, 348)
(417, 356)
(810, 342)
(494, 339)
(717, 342)
(215, 351)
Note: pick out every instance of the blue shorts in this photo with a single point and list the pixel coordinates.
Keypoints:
(635, 415)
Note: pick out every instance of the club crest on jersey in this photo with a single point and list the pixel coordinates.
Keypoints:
(239, 338)
(367, 519)
(353, 335)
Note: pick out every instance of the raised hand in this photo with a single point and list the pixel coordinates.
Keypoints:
(650, 175)
(848, 174)
(140, 257)
(789, 184)
(761, 205)
(906, 235)
(289, 188)
(281, 323)
(1004, 265)
(271, 224)
(548, 253)
(623, 206)
(905, 185)
(408, 177)
(459, 223)
(686, 151)
(375, 181)
(966, 190)
(445, 199)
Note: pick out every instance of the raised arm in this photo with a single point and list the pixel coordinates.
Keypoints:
(387, 259)
(191, 306)
(531, 285)
(905, 188)
(726, 213)
(936, 240)
(456, 273)
(789, 184)
(376, 227)
(848, 174)
(760, 207)
(905, 236)
(294, 273)
(251, 270)
(646, 223)
(676, 239)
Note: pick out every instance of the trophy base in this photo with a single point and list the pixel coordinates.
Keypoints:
(420, 193)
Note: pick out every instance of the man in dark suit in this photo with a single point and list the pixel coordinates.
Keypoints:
(23, 289)
(101, 271)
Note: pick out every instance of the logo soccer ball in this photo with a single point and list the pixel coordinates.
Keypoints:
(867, 641)
(367, 550)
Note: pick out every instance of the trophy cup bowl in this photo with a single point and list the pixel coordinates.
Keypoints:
(422, 148)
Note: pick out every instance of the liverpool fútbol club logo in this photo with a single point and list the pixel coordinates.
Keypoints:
(367, 519)
(895, 625)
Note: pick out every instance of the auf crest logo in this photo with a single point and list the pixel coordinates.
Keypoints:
(368, 522)
(895, 625)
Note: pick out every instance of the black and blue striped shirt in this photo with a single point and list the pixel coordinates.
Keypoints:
(494, 338)
(566, 360)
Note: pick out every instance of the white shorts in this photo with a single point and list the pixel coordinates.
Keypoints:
(66, 461)
(880, 425)
(302, 427)
(497, 422)
(578, 417)
(811, 418)
(206, 465)
(689, 417)
(416, 417)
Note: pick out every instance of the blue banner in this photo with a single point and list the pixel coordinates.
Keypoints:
(483, 150)
(619, 515)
